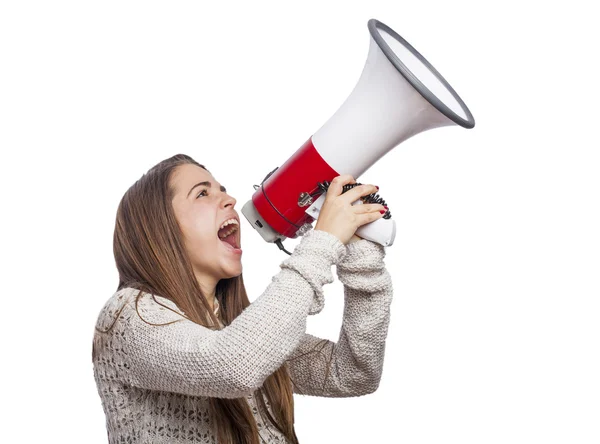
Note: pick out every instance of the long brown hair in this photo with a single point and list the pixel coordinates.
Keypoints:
(150, 256)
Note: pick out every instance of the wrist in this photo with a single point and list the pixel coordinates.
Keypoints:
(354, 238)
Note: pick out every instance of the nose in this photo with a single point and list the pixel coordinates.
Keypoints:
(229, 200)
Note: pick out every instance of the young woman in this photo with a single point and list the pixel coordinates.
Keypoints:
(179, 353)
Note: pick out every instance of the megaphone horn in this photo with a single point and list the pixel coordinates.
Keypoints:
(398, 95)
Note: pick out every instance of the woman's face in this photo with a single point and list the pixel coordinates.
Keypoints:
(200, 210)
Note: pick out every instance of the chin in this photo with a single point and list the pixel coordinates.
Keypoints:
(233, 273)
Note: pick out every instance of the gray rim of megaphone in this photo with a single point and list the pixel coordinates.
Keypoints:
(416, 83)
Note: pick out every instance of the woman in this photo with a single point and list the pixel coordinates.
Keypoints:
(180, 355)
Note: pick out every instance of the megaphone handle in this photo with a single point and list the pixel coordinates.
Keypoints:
(381, 231)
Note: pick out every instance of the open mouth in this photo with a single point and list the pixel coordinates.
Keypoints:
(230, 236)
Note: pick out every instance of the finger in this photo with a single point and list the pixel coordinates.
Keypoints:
(366, 218)
(337, 184)
(367, 208)
(359, 191)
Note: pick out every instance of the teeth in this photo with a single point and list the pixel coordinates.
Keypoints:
(228, 222)
(234, 229)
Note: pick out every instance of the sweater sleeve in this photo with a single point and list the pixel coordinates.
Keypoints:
(187, 358)
(356, 361)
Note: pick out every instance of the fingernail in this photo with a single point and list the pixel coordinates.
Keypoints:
(382, 211)
(376, 187)
(385, 206)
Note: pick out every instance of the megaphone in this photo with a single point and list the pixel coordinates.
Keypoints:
(398, 95)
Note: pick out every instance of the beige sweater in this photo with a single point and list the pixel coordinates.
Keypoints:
(154, 381)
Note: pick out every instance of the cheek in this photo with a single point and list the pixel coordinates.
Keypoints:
(200, 234)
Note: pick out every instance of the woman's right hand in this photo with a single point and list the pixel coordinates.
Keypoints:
(339, 217)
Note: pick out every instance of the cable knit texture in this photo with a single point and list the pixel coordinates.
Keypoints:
(154, 381)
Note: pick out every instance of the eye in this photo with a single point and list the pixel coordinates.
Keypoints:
(200, 194)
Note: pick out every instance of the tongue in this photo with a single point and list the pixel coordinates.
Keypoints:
(229, 240)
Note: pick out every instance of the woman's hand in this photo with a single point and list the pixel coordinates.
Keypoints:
(339, 217)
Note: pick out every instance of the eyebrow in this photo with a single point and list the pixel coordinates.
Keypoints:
(205, 183)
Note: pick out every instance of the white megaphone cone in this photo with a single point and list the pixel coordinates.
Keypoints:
(391, 102)
(398, 95)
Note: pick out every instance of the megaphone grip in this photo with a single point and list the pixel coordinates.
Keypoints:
(371, 198)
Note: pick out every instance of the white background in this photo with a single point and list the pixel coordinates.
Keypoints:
(494, 335)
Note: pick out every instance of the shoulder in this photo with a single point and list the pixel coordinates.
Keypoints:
(129, 302)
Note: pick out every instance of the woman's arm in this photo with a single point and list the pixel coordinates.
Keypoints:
(356, 361)
(187, 358)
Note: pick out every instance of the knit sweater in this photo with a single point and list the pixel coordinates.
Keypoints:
(154, 381)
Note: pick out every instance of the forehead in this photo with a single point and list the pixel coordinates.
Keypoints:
(186, 176)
